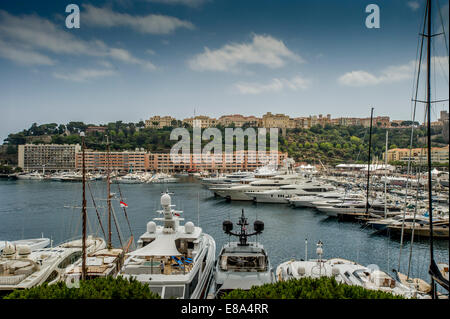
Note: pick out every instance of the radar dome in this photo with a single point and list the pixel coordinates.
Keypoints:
(9, 250)
(151, 227)
(189, 227)
(24, 250)
(165, 200)
(301, 271)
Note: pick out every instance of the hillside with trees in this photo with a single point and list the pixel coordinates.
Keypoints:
(328, 144)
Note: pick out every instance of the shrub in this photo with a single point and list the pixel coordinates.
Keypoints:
(308, 288)
(97, 288)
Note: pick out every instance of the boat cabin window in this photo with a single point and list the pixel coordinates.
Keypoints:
(72, 258)
(173, 292)
(243, 263)
(52, 276)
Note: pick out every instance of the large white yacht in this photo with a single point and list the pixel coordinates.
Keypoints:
(358, 208)
(323, 199)
(227, 179)
(284, 193)
(21, 268)
(32, 175)
(344, 272)
(175, 261)
(245, 191)
(242, 264)
(33, 243)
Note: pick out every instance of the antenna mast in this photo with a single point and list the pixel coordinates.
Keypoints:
(368, 162)
(84, 213)
(108, 192)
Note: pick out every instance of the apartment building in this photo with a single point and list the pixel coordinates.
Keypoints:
(159, 121)
(239, 120)
(120, 161)
(50, 157)
(201, 121)
(277, 120)
(438, 155)
(242, 160)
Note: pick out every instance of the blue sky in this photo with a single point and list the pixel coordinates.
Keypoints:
(134, 59)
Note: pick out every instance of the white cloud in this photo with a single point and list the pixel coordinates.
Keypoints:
(22, 37)
(390, 74)
(414, 5)
(190, 3)
(125, 56)
(276, 85)
(23, 56)
(84, 75)
(152, 23)
(263, 49)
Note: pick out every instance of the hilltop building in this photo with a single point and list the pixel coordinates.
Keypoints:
(438, 155)
(160, 121)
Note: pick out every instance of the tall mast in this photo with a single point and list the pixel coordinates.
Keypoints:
(385, 174)
(368, 162)
(83, 239)
(108, 192)
(430, 202)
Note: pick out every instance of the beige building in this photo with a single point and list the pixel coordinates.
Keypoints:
(239, 120)
(159, 121)
(276, 120)
(201, 121)
(33, 157)
(243, 160)
(438, 154)
(121, 161)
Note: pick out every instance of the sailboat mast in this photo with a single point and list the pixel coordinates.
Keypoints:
(430, 189)
(368, 162)
(108, 192)
(83, 239)
(385, 174)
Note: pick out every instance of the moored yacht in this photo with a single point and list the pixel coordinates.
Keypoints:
(32, 243)
(175, 261)
(32, 176)
(245, 192)
(284, 193)
(242, 264)
(344, 272)
(21, 268)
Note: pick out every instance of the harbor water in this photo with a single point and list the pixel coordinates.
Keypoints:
(30, 209)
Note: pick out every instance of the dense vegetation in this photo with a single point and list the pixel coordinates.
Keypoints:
(329, 144)
(98, 288)
(308, 288)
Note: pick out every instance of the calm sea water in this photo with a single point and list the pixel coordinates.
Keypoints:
(31, 208)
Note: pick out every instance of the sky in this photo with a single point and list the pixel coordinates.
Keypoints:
(130, 60)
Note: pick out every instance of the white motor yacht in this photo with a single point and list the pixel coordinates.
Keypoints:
(344, 272)
(284, 193)
(331, 198)
(31, 176)
(21, 268)
(32, 243)
(245, 192)
(175, 261)
(242, 264)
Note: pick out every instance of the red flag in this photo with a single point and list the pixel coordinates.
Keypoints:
(123, 204)
(176, 214)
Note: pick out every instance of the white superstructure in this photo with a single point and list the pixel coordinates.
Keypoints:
(175, 261)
